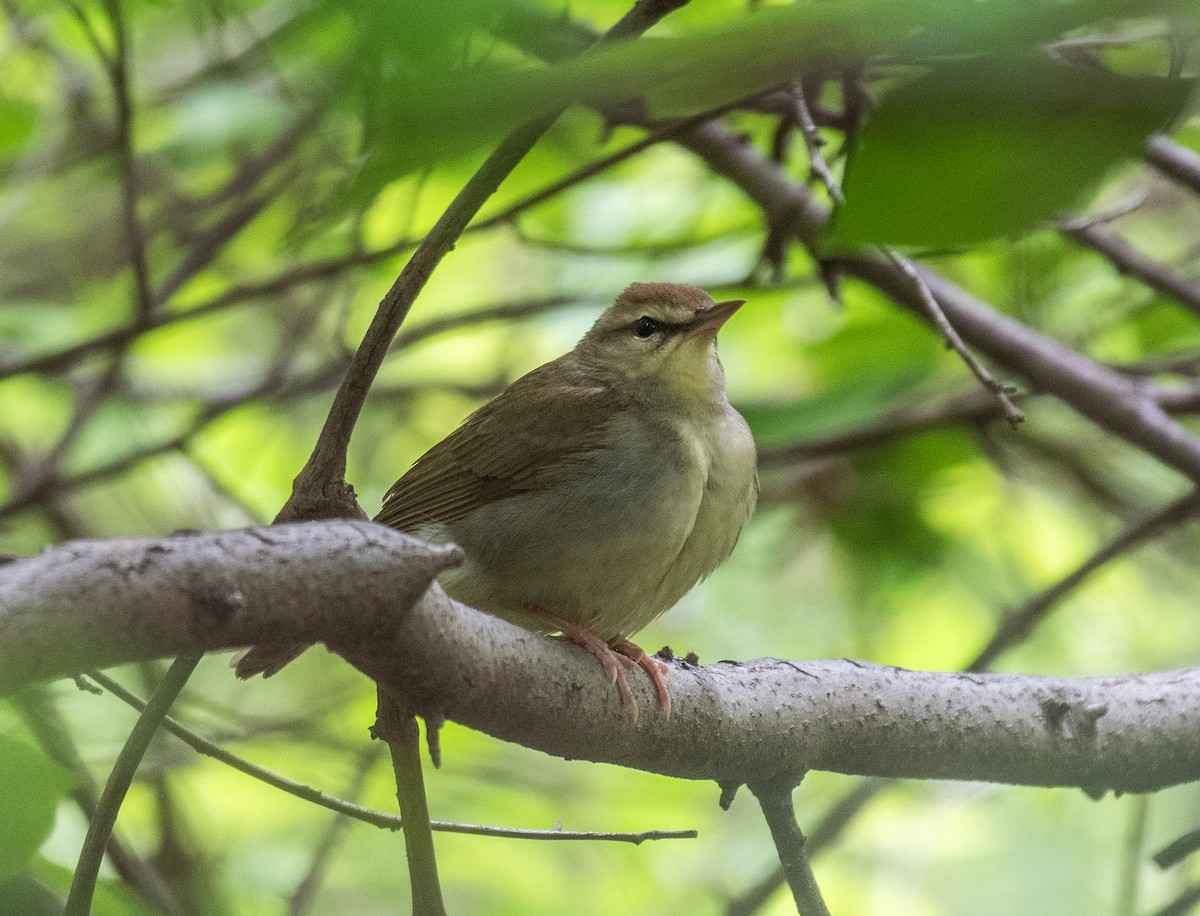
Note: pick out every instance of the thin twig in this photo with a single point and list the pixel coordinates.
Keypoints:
(211, 242)
(357, 812)
(1133, 202)
(813, 142)
(83, 885)
(1175, 161)
(1132, 263)
(938, 317)
(1178, 850)
(398, 728)
(51, 732)
(36, 478)
(89, 32)
(828, 829)
(776, 802)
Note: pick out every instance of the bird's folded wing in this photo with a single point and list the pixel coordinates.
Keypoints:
(528, 438)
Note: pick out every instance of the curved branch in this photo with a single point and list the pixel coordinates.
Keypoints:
(348, 584)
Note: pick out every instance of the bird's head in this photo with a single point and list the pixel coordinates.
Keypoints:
(659, 339)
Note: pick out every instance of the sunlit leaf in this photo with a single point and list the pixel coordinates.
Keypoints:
(983, 148)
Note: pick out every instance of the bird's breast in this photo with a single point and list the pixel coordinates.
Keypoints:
(622, 537)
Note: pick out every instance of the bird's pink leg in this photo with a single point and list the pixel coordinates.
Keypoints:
(614, 661)
(654, 668)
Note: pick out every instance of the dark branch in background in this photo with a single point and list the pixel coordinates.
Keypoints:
(935, 314)
(1132, 263)
(303, 898)
(1178, 850)
(211, 241)
(118, 69)
(1176, 162)
(1020, 623)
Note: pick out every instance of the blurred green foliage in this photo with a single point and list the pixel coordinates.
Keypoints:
(993, 146)
(33, 786)
(288, 154)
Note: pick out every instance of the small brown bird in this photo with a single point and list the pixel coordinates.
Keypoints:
(596, 491)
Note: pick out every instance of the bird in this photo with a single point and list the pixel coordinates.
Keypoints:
(594, 492)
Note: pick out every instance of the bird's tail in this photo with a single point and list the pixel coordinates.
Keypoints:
(266, 658)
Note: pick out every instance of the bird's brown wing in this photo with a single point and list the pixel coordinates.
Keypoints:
(528, 438)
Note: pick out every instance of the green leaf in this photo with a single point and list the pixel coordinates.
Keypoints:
(438, 113)
(992, 147)
(30, 788)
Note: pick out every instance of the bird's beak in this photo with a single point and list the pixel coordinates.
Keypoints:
(709, 321)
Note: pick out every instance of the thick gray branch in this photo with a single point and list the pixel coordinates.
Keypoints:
(349, 584)
(88, 604)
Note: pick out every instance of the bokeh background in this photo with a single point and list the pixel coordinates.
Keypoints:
(278, 186)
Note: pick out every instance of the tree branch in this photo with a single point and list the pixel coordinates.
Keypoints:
(398, 728)
(88, 604)
(348, 584)
(1132, 263)
(1175, 161)
(51, 732)
(118, 71)
(367, 815)
(776, 802)
(83, 884)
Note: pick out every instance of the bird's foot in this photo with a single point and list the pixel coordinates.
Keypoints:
(654, 668)
(615, 659)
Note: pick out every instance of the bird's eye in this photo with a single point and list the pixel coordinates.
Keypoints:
(645, 326)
